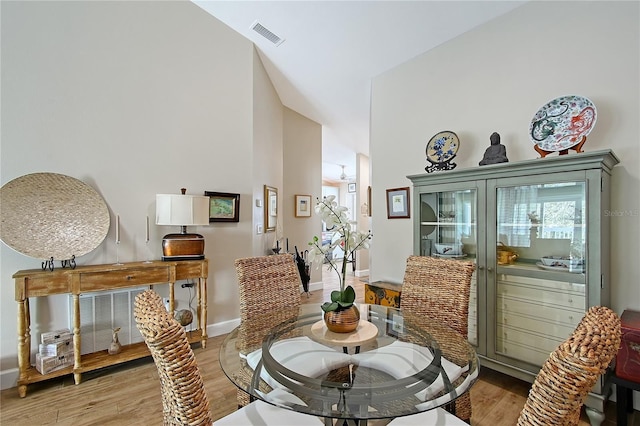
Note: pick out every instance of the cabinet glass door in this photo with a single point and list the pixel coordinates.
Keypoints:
(543, 224)
(540, 257)
(448, 229)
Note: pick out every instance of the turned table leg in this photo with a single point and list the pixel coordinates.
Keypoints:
(77, 363)
(24, 344)
(202, 316)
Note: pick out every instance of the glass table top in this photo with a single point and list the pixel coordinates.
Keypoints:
(395, 364)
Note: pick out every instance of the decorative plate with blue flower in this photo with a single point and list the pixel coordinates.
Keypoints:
(441, 149)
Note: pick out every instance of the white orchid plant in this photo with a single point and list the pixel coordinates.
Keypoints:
(349, 240)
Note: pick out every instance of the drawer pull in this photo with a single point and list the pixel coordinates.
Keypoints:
(129, 277)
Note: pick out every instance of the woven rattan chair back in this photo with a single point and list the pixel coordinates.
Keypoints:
(184, 399)
(560, 388)
(439, 288)
(267, 281)
(269, 288)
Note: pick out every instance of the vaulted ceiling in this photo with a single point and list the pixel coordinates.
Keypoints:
(322, 55)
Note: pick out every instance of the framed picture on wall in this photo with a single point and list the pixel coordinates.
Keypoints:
(270, 208)
(398, 203)
(223, 206)
(303, 206)
(351, 187)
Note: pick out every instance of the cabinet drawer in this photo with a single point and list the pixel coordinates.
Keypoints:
(189, 270)
(43, 285)
(526, 353)
(542, 342)
(544, 297)
(93, 281)
(542, 285)
(555, 330)
(553, 314)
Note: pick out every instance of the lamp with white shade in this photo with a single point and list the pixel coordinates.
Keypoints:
(182, 210)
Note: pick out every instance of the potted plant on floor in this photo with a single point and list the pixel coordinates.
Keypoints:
(340, 314)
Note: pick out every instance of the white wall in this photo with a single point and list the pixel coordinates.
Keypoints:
(364, 220)
(303, 176)
(267, 154)
(137, 98)
(494, 78)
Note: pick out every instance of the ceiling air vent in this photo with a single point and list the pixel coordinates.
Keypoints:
(264, 32)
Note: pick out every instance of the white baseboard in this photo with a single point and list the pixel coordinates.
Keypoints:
(315, 286)
(362, 273)
(9, 379)
(222, 327)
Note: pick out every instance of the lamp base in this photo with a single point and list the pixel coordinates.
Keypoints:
(182, 247)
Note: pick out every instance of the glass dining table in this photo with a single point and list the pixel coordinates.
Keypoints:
(394, 364)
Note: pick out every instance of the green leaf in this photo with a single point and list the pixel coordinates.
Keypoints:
(328, 306)
(349, 295)
(336, 296)
(345, 305)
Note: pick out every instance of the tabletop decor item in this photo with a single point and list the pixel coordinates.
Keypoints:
(496, 153)
(441, 150)
(562, 124)
(506, 255)
(182, 210)
(52, 216)
(115, 347)
(340, 314)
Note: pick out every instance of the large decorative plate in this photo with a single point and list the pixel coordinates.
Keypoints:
(48, 215)
(562, 123)
(441, 149)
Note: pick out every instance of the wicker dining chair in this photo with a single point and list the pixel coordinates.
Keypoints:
(269, 288)
(562, 385)
(439, 289)
(184, 399)
(560, 388)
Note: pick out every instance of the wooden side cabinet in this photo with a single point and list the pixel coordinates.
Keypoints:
(85, 279)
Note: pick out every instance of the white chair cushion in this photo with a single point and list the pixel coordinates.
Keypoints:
(281, 397)
(437, 417)
(259, 413)
(441, 400)
(301, 355)
(402, 359)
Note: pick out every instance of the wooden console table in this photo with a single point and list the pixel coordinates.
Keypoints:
(85, 279)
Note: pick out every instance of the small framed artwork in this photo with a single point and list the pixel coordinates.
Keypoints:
(223, 206)
(351, 187)
(303, 205)
(270, 208)
(398, 203)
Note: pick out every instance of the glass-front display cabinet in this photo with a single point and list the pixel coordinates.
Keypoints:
(538, 234)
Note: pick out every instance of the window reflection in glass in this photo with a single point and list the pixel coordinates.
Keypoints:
(543, 220)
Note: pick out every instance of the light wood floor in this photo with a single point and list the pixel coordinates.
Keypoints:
(130, 394)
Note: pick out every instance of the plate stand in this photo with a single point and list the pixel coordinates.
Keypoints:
(576, 148)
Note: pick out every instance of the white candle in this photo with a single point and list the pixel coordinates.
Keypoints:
(147, 235)
(117, 229)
